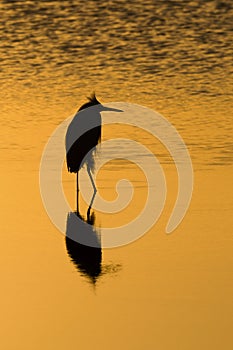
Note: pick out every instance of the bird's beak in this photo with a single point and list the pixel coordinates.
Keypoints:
(109, 109)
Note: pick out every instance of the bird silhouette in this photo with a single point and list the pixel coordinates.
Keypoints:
(82, 137)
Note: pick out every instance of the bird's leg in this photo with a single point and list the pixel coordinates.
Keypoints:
(90, 206)
(77, 193)
(92, 181)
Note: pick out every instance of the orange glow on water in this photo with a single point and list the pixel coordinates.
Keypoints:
(162, 291)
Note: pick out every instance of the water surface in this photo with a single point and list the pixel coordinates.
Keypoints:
(161, 291)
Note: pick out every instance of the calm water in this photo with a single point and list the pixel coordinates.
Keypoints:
(160, 292)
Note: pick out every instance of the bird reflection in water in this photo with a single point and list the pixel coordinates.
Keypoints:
(87, 259)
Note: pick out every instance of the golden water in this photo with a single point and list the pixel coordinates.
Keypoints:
(162, 291)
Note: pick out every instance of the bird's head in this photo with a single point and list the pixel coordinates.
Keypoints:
(94, 102)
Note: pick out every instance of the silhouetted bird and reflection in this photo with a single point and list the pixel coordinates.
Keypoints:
(82, 137)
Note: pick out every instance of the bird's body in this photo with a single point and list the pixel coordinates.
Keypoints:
(78, 148)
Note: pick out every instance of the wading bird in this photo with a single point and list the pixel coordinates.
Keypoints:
(82, 137)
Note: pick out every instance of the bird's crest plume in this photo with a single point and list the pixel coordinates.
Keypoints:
(93, 98)
(92, 101)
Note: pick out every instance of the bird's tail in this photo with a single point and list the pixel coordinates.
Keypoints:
(90, 160)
